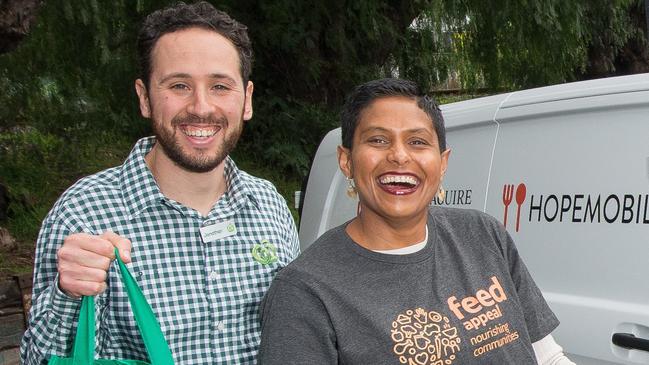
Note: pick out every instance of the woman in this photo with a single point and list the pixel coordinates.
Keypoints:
(403, 283)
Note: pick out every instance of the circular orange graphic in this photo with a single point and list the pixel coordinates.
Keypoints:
(424, 338)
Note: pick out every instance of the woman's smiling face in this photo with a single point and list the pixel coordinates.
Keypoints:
(395, 159)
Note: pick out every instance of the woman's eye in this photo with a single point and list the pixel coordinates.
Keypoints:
(419, 142)
(377, 140)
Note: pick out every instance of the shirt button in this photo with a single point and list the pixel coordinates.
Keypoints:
(213, 275)
(220, 326)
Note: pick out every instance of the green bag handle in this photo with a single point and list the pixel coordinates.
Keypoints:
(83, 352)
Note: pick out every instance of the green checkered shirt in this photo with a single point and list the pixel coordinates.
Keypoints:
(205, 294)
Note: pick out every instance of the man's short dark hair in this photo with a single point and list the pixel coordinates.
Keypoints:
(367, 93)
(183, 16)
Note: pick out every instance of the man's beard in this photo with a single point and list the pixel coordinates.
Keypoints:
(202, 162)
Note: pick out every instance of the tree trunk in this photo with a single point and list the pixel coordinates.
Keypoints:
(16, 18)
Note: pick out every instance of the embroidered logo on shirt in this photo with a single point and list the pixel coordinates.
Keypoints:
(264, 253)
(425, 338)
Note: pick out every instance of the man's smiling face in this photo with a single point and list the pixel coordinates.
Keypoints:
(196, 97)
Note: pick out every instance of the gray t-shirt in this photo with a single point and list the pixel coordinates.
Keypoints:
(466, 298)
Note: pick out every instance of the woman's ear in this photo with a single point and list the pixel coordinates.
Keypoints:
(345, 161)
(444, 163)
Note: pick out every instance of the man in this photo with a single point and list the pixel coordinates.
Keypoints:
(202, 238)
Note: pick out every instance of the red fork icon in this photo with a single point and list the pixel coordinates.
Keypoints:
(508, 194)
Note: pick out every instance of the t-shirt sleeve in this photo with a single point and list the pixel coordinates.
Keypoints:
(295, 327)
(539, 318)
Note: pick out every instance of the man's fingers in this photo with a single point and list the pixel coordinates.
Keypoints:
(84, 259)
(79, 288)
(76, 280)
(74, 256)
(74, 272)
(87, 242)
(122, 244)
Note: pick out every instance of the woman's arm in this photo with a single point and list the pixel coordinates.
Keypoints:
(548, 352)
(295, 328)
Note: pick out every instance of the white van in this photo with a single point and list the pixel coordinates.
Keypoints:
(566, 169)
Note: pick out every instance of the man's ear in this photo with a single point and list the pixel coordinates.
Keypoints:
(247, 107)
(143, 96)
(345, 161)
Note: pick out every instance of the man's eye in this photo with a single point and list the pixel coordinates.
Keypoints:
(221, 87)
(419, 142)
(179, 87)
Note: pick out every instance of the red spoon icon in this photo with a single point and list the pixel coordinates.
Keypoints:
(521, 191)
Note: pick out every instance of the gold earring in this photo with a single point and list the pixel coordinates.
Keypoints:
(351, 188)
(441, 194)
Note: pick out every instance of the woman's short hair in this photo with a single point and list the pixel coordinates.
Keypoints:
(365, 94)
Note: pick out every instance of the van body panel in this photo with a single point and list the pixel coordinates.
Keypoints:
(578, 90)
(588, 323)
(467, 177)
(472, 113)
(471, 125)
(589, 156)
(578, 156)
(326, 204)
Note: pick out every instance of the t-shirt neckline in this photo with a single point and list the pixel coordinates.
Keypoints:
(409, 258)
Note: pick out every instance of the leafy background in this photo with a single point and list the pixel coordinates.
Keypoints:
(68, 107)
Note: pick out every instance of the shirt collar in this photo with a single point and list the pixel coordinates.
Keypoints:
(140, 190)
(239, 190)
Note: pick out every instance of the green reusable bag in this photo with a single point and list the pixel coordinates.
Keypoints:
(83, 351)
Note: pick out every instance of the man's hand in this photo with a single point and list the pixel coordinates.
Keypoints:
(83, 261)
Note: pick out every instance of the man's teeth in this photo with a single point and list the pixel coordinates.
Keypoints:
(399, 179)
(200, 132)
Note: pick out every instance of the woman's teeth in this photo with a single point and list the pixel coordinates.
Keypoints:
(399, 179)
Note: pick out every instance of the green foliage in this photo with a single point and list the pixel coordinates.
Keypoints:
(68, 106)
(37, 167)
(447, 98)
(27, 156)
(71, 74)
(513, 44)
(285, 133)
(320, 49)
(308, 56)
(616, 33)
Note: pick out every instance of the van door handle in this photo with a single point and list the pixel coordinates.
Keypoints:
(630, 341)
